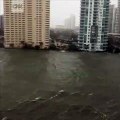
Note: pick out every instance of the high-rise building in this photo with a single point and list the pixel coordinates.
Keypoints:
(1, 22)
(67, 23)
(116, 21)
(118, 16)
(26, 21)
(70, 22)
(94, 19)
(112, 18)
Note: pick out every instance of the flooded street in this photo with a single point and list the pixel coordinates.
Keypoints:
(86, 79)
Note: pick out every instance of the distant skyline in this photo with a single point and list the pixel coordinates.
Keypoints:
(61, 9)
(66, 7)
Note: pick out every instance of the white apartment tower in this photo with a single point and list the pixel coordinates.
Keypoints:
(117, 21)
(26, 21)
(118, 16)
(70, 22)
(112, 18)
(94, 25)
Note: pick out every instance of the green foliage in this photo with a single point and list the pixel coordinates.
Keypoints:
(63, 33)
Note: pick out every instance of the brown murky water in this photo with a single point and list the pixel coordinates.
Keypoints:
(87, 79)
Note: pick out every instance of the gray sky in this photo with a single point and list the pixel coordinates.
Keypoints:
(61, 9)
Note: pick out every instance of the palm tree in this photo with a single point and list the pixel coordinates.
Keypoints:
(41, 44)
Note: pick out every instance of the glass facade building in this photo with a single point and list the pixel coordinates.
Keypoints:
(94, 17)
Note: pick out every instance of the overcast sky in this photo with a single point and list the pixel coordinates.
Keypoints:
(61, 9)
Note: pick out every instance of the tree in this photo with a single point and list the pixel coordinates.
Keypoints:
(53, 35)
(74, 36)
(63, 34)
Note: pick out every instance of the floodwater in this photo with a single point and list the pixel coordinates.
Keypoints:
(88, 79)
